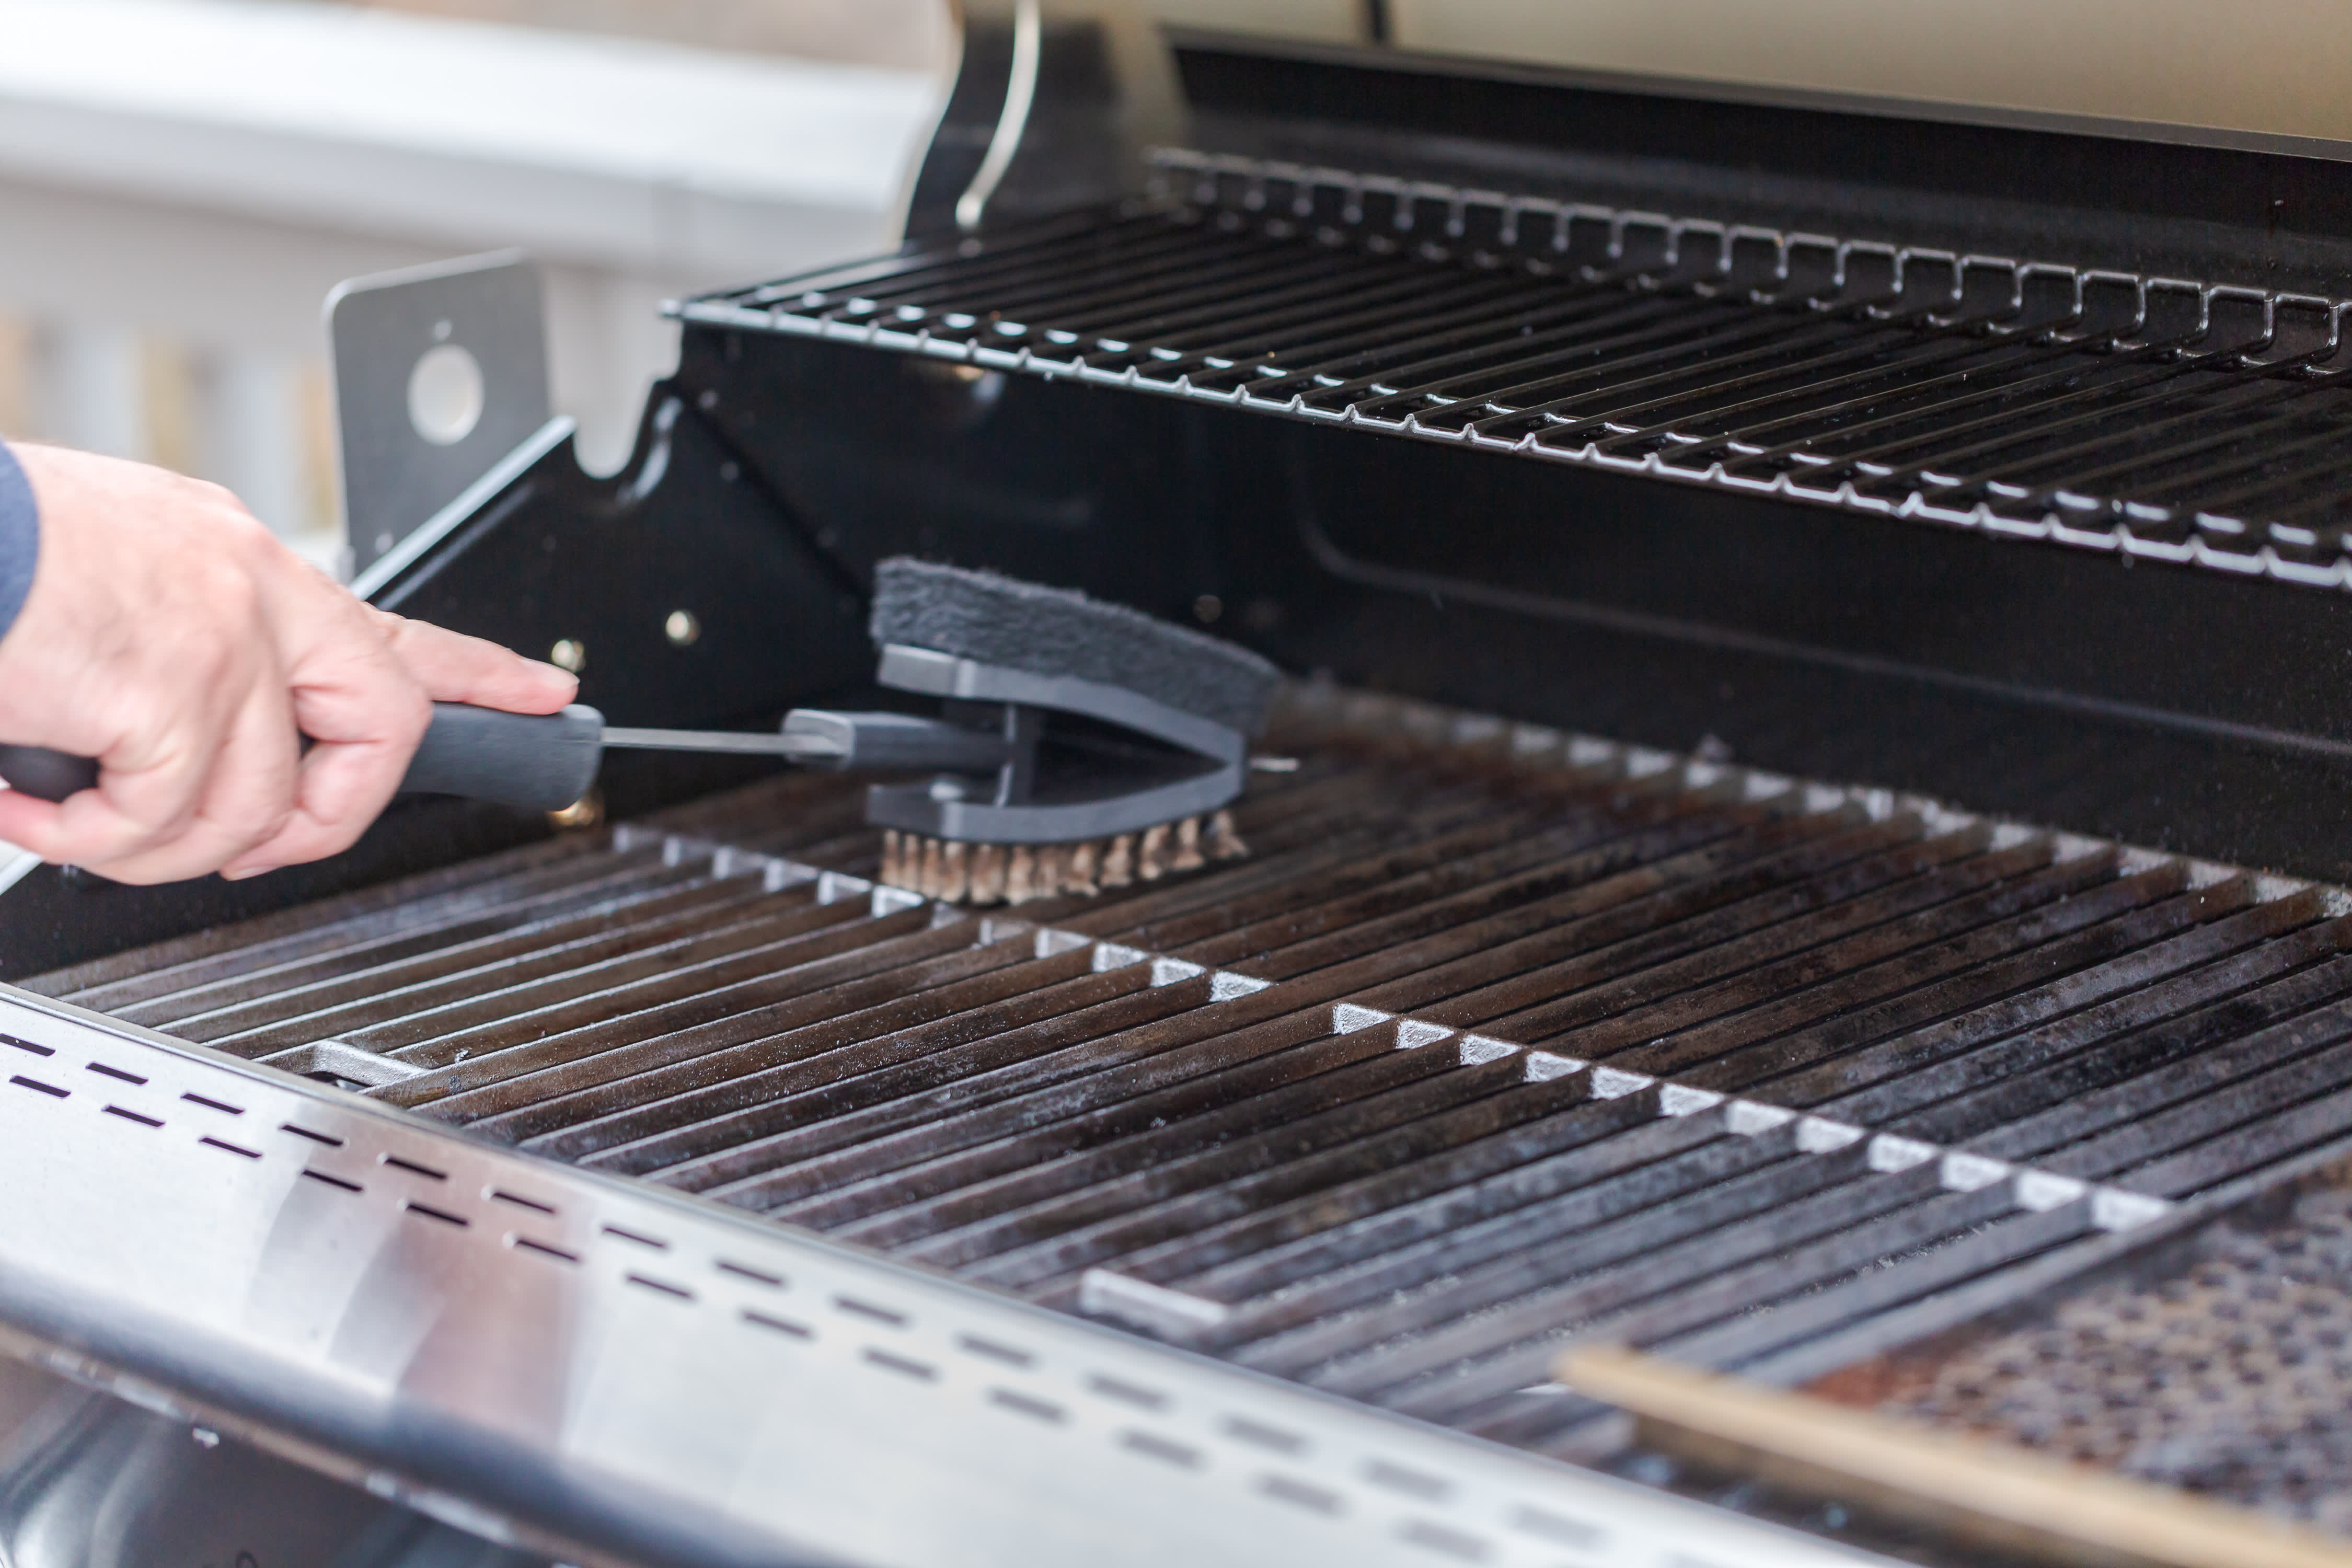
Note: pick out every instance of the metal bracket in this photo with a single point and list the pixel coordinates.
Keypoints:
(440, 372)
(1054, 104)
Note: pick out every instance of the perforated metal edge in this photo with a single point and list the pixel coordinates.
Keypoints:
(519, 1347)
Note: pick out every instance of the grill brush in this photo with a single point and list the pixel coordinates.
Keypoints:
(1080, 745)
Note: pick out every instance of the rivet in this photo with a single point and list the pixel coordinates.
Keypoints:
(571, 655)
(683, 628)
(1207, 608)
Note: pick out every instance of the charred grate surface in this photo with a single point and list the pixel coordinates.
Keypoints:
(2227, 1376)
(1502, 1037)
(2159, 417)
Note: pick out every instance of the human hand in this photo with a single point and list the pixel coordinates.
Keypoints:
(171, 637)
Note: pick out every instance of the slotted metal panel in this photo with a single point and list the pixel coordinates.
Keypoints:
(1501, 1037)
(2164, 418)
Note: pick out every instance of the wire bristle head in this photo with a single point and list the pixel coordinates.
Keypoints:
(1118, 862)
(987, 874)
(957, 873)
(1225, 840)
(1188, 847)
(1151, 855)
(1021, 875)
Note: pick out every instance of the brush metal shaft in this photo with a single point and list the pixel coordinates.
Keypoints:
(800, 748)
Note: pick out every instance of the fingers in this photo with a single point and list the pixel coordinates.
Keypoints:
(362, 708)
(244, 791)
(169, 636)
(456, 669)
(365, 732)
(143, 643)
(176, 714)
(246, 800)
(26, 823)
(361, 693)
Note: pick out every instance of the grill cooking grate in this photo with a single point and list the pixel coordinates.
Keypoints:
(2168, 419)
(2222, 1370)
(1503, 1037)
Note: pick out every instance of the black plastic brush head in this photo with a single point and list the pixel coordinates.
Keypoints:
(1122, 739)
(1059, 632)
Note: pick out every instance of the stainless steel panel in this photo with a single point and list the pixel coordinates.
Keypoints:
(549, 1357)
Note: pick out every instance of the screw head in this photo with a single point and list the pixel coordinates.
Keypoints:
(684, 629)
(1207, 608)
(570, 655)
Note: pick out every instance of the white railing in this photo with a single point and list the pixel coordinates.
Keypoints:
(181, 181)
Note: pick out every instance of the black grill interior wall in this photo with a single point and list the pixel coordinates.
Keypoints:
(2095, 688)
(2137, 204)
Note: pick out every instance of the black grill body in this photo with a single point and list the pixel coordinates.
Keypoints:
(2001, 461)
(1993, 468)
(1998, 462)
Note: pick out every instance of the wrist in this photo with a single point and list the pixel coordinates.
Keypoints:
(20, 538)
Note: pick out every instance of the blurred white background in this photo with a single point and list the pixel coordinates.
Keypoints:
(181, 181)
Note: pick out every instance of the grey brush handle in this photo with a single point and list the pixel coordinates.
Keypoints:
(46, 775)
(516, 759)
(893, 742)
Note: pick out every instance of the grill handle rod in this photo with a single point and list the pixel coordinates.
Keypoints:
(546, 763)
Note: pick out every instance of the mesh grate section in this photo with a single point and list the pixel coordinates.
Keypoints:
(2164, 418)
(2224, 1373)
(1500, 1038)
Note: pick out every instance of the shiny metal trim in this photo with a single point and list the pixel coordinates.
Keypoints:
(545, 1351)
(470, 500)
(1020, 93)
(1764, 95)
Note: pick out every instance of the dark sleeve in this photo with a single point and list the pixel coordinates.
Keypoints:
(20, 539)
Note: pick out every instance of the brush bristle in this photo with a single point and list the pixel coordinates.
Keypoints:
(956, 873)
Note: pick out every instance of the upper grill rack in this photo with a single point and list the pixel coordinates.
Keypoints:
(1504, 1036)
(2163, 418)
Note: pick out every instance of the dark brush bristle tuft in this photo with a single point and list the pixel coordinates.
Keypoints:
(1018, 873)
